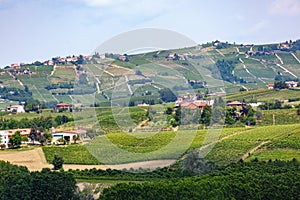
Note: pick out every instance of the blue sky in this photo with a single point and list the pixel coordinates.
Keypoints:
(39, 29)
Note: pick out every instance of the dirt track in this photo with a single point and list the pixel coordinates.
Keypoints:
(35, 160)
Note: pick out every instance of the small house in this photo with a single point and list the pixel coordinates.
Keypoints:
(15, 108)
(235, 103)
(63, 106)
(271, 86)
(291, 84)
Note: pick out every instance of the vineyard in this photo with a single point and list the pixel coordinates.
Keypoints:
(229, 145)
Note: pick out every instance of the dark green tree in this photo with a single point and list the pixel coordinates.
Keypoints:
(57, 162)
(16, 139)
(206, 115)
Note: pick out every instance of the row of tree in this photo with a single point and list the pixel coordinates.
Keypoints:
(253, 180)
(18, 183)
(40, 122)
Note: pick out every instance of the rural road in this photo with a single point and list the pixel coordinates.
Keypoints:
(35, 160)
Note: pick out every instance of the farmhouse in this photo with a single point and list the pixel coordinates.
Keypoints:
(4, 139)
(15, 66)
(193, 105)
(234, 103)
(6, 135)
(68, 136)
(15, 108)
(291, 84)
(63, 106)
(271, 86)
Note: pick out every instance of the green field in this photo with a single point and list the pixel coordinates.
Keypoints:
(72, 154)
(279, 116)
(228, 145)
(264, 95)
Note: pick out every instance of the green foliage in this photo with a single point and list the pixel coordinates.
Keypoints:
(280, 85)
(255, 180)
(38, 122)
(16, 139)
(18, 183)
(167, 95)
(57, 162)
(195, 164)
(225, 69)
(15, 94)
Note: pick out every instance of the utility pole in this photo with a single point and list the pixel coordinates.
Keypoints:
(273, 119)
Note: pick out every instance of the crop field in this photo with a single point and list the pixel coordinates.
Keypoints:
(264, 95)
(276, 154)
(283, 147)
(290, 63)
(231, 145)
(64, 99)
(9, 81)
(259, 70)
(111, 120)
(63, 74)
(72, 154)
(281, 116)
(232, 149)
(118, 71)
(124, 64)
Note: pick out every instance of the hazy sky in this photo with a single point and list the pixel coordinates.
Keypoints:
(41, 29)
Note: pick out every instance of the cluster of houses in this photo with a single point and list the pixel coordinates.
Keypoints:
(20, 108)
(290, 84)
(58, 60)
(57, 137)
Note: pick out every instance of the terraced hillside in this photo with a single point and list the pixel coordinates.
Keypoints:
(219, 66)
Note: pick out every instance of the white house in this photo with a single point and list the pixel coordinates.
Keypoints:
(4, 138)
(291, 84)
(16, 108)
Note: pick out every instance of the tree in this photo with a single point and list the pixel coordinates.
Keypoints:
(75, 138)
(16, 139)
(298, 110)
(33, 134)
(206, 115)
(57, 162)
(280, 85)
(169, 111)
(139, 73)
(167, 95)
(195, 164)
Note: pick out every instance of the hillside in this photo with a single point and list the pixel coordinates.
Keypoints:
(139, 78)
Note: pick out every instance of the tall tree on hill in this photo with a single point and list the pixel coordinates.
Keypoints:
(33, 133)
(16, 139)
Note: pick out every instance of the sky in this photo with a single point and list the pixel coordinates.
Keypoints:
(34, 30)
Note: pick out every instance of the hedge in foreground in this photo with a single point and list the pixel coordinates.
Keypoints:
(255, 180)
